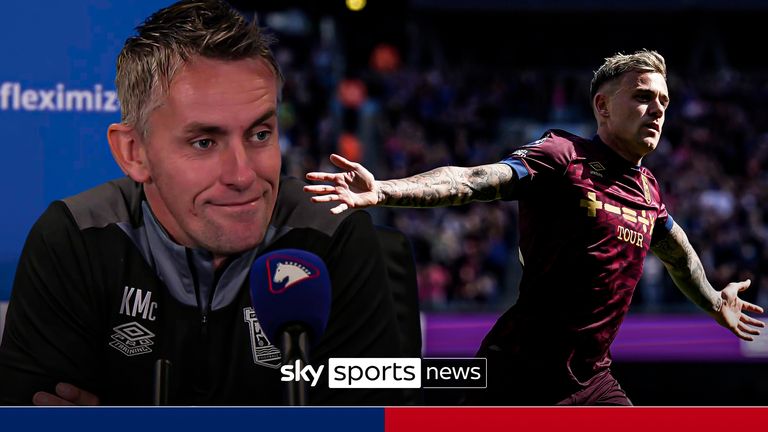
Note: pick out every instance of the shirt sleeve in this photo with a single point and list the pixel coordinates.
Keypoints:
(537, 163)
(663, 224)
(50, 334)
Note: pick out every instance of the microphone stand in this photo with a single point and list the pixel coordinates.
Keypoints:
(162, 382)
(295, 344)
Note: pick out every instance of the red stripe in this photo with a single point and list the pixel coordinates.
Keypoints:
(575, 419)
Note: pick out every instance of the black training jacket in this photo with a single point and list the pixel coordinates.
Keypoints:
(100, 293)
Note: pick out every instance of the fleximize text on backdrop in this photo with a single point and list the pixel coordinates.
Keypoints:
(14, 96)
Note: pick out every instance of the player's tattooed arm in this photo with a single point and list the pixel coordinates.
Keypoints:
(683, 264)
(356, 187)
(447, 186)
(677, 254)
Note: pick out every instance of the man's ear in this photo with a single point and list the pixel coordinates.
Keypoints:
(128, 151)
(601, 104)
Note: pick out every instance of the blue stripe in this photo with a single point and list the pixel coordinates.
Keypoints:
(193, 419)
(517, 166)
(670, 223)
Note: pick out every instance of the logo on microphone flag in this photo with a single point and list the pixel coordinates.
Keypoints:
(290, 286)
(285, 271)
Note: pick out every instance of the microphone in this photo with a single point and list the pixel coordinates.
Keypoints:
(291, 296)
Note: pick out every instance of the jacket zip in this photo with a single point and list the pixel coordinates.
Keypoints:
(204, 309)
(202, 385)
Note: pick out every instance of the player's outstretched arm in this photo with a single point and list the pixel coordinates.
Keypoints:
(685, 267)
(355, 186)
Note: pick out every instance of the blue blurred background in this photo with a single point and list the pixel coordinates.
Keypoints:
(405, 86)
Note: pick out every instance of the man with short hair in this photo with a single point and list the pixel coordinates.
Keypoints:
(155, 265)
(589, 213)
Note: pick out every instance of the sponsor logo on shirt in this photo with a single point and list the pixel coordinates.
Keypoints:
(132, 339)
(264, 353)
(593, 206)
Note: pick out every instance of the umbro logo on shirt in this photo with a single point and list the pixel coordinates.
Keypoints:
(597, 168)
(132, 339)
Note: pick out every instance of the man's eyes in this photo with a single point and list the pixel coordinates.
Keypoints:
(207, 143)
(644, 97)
(203, 144)
(261, 135)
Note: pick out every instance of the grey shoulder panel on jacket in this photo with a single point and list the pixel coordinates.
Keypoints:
(294, 209)
(111, 202)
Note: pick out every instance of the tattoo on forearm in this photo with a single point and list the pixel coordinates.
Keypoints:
(685, 267)
(446, 186)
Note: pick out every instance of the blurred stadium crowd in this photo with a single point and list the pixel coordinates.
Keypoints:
(400, 118)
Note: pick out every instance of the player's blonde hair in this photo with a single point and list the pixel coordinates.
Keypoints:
(619, 64)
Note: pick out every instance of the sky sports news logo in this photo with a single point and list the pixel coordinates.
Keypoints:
(387, 373)
(15, 97)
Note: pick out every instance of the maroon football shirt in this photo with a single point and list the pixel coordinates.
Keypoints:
(587, 217)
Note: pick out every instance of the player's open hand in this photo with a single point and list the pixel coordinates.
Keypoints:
(355, 187)
(732, 312)
(66, 394)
